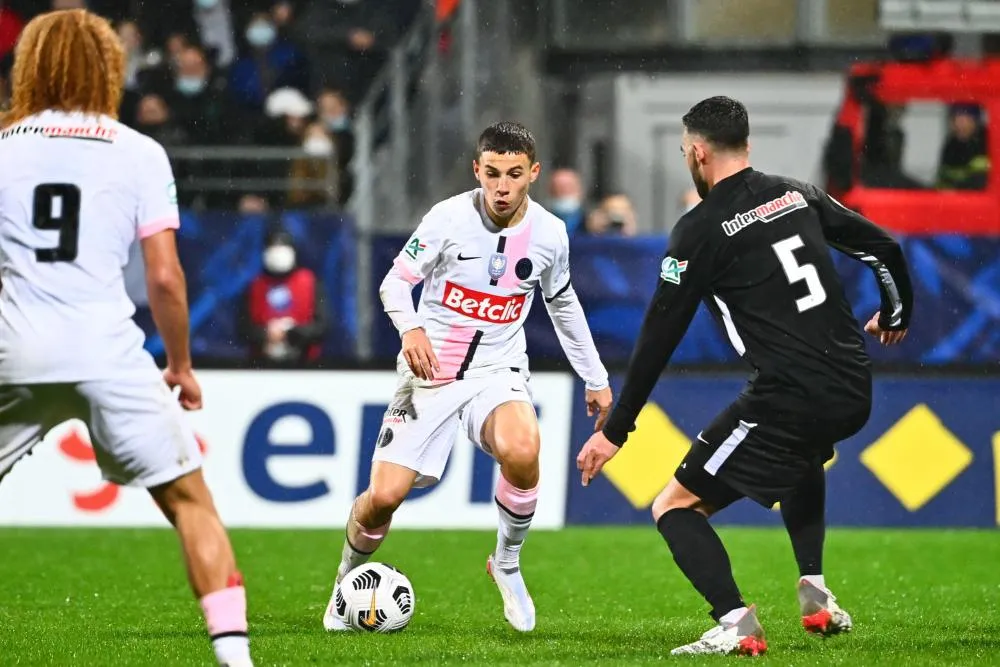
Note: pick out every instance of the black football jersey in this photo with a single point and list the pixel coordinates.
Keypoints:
(756, 252)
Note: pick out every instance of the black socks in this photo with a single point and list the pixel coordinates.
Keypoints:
(702, 558)
(803, 511)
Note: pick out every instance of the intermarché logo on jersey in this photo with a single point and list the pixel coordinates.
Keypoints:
(481, 306)
(767, 212)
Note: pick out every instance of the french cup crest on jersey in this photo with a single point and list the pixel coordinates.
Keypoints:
(497, 266)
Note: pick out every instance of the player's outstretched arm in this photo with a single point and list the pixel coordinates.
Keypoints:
(860, 238)
(573, 332)
(577, 343)
(685, 274)
(167, 290)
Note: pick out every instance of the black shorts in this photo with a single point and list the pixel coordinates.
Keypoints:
(743, 453)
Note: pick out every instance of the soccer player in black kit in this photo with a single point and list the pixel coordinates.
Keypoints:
(755, 250)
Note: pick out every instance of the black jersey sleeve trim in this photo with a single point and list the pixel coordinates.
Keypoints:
(858, 237)
(550, 299)
(893, 319)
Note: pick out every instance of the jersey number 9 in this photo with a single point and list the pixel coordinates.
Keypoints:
(57, 208)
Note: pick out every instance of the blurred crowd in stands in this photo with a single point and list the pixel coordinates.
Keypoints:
(205, 73)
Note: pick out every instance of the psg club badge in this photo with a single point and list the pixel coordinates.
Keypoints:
(497, 265)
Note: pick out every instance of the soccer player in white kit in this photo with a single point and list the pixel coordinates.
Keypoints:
(463, 363)
(76, 189)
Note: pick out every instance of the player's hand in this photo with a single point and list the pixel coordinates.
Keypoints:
(419, 354)
(190, 395)
(885, 337)
(598, 403)
(598, 451)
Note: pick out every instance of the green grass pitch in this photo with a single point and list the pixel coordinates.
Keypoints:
(604, 596)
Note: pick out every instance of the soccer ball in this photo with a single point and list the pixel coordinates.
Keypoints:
(375, 597)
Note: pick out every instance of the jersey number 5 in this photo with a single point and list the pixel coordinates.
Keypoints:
(785, 250)
(57, 208)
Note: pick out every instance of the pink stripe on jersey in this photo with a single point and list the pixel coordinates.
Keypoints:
(516, 249)
(453, 350)
(405, 272)
(156, 226)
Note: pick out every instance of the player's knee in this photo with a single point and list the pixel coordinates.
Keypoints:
(385, 498)
(518, 448)
(676, 497)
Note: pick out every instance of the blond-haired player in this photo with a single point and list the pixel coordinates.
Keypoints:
(76, 189)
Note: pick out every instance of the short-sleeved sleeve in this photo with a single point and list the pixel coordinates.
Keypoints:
(156, 208)
(420, 252)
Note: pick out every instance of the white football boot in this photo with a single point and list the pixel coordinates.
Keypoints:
(518, 607)
(821, 615)
(744, 637)
(333, 621)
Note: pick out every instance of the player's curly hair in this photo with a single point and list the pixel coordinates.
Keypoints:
(70, 60)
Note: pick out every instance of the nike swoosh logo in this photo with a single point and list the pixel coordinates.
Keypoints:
(462, 259)
(515, 389)
(371, 619)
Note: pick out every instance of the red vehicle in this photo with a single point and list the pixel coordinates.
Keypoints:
(863, 165)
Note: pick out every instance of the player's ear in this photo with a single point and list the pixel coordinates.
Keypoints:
(536, 169)
(700, 152)
(475, 169)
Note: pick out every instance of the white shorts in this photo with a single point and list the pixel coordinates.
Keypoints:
(420, 426)
(137, 428)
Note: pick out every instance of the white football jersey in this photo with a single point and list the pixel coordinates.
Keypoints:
(479, 282)
(75, 193)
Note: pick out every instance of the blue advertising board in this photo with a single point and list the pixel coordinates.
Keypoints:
(927, 457)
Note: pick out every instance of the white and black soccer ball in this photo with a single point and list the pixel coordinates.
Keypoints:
(375, 597)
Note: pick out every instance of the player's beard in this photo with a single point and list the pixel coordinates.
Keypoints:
(700, 184)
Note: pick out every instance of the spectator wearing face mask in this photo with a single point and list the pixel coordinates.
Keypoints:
(270, 61)
(284, 311)
(199, 105)
(566, 198)
(335, 113)
(318, 167)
